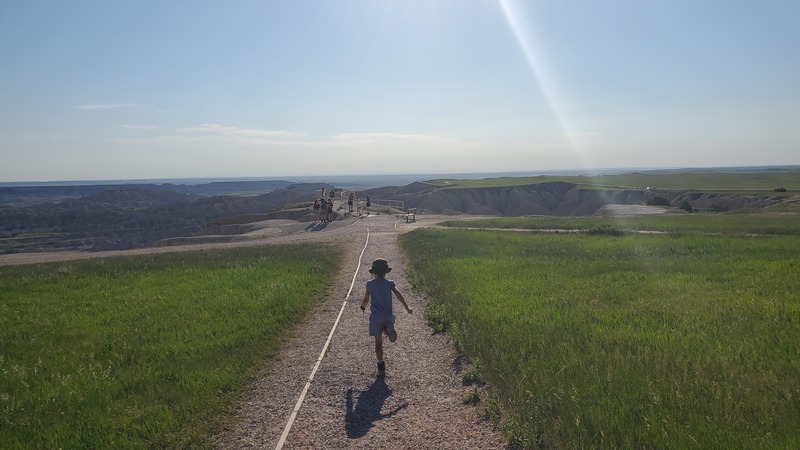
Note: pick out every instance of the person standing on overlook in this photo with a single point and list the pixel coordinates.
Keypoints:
(317, 206)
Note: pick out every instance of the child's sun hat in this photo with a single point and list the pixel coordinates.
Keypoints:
(380, 267)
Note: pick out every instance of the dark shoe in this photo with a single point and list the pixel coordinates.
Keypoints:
(391, 332)
(381, 369)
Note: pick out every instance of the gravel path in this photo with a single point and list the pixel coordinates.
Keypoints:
(419, 404)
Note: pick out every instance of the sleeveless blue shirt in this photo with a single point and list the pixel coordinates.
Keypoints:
(380, 296)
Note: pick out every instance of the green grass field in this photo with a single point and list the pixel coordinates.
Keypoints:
(739, 222)
(760, 182)
(633, 341)
(146, 351)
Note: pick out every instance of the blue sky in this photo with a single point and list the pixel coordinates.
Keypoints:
(171, 89)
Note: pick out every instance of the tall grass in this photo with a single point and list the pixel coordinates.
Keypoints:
(146, 351)
(640, 341)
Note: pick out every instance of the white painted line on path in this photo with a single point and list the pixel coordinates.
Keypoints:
(321, 355)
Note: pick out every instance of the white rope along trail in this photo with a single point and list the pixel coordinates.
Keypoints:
(322, 353)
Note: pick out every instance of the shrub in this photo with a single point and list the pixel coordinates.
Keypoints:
(658, 201)
(437, 318)
(472, 376)
(717, 208)
(605, 230)
(472, 398)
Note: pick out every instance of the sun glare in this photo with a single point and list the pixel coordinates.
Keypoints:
(542, 71)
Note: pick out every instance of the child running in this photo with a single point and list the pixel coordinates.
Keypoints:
(379, 296)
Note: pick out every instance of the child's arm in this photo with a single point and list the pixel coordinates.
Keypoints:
(365, 302)
(402, 300)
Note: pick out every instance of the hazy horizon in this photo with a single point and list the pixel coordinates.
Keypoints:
(165, 90)
(312, 178)
(398, 178)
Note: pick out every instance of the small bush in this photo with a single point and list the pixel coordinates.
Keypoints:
(471, 377)
(605, 230)
(492, 409)
(717, 208)
(473, 398)
(437, 318)
(457, 333)
(658, 201)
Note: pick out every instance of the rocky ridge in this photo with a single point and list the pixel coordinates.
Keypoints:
(555, 199)
(130, 217)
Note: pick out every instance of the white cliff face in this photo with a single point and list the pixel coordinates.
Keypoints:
(559, 199)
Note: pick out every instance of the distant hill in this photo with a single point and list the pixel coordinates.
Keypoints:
(130, 217)
(22, 195)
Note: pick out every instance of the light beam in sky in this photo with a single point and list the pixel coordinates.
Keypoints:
(542, 71)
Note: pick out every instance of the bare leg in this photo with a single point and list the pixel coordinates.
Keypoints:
(379, 346)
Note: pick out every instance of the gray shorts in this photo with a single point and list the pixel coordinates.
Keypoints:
(377, 323)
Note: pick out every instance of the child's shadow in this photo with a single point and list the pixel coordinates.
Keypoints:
(359, 419)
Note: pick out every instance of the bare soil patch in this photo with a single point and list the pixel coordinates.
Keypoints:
(630, 210)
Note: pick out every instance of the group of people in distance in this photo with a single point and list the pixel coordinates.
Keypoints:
(352, 199)
(323, 209)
